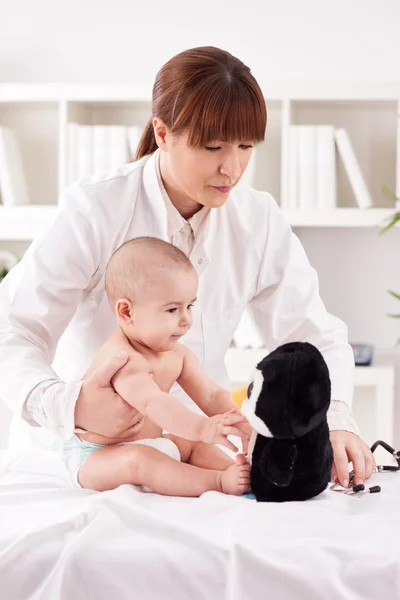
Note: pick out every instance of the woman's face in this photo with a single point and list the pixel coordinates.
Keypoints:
(201, 176)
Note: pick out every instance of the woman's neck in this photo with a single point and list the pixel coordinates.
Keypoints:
(183, 203)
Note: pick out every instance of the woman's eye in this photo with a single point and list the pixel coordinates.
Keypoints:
(190, 305)
(171, 310)
(246, 146)
(213, 148)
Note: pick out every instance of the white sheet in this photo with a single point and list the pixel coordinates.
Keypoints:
(58, 543)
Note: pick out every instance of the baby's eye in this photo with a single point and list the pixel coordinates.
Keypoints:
(171, 310)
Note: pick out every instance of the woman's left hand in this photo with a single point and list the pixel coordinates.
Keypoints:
(350, 447)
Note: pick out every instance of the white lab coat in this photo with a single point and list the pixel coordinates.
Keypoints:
(54, 313)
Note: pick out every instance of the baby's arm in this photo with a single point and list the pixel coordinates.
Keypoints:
(210, 397)
(137, 387)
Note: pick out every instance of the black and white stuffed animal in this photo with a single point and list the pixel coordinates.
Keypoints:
(290, 452)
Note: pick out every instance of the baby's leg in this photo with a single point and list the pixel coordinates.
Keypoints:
(112, 466)
(208, 456)
(199, 454)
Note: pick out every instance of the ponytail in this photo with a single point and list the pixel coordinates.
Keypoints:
(147, 144)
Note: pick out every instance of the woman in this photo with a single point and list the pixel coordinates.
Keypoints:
(208, 112)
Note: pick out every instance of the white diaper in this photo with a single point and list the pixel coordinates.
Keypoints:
(76, 451)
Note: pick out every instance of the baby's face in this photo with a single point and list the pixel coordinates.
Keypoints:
(164, 314)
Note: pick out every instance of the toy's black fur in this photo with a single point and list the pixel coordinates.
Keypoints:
(296, 463)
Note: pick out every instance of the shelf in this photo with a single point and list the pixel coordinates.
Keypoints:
(26, 92)
(339, 217)
(241, 362)
(23, 223)
(40, 116)
(306, 91)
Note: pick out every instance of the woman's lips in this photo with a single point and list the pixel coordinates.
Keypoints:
(223, 189)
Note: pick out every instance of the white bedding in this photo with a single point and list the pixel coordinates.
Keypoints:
(58, 543)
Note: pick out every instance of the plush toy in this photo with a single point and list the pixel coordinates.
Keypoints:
(286, 404)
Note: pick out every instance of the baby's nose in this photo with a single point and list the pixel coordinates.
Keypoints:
(186, 321)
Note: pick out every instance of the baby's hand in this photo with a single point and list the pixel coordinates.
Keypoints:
(216, 429)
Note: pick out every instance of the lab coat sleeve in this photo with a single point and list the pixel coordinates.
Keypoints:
(287, 307)
(37, 301)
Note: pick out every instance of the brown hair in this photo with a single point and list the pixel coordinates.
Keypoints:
(210, 93)
(138, 262)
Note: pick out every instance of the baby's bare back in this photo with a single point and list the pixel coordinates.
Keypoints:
(164, 368)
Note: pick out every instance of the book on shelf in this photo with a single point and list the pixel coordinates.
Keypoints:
(312, 168)
(134, 135)
(94, 149)
(326, 186)
(353, 170)
(13, 186)
(307, 166)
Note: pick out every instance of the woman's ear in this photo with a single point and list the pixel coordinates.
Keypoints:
(160, 132)
(123, 311)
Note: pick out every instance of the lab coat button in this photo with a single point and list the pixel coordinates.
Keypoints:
(199, 261)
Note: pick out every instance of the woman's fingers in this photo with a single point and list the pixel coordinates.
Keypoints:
(341, 463)
(233, 418)
(229, 430)
(370, 464)
(104, 374)
(225, 442)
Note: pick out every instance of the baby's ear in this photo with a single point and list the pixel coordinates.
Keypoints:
(277, 462)
(123, 310)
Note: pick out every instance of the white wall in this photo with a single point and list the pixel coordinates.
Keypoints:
(301, 40)
(127, 40)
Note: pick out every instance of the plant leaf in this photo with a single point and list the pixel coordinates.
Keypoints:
(393, 316)
(392, 293)
(389, 194)
(394, 219)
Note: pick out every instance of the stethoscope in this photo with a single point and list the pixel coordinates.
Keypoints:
(360, 489)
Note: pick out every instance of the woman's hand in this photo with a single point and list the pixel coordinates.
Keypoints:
(99, 409)
(217, 428)
(350, 447)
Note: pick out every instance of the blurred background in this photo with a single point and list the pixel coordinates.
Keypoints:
(318, 62)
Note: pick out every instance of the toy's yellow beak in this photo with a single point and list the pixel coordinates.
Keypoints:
(238, 396)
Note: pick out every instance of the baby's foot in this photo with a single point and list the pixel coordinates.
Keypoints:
(236, 479)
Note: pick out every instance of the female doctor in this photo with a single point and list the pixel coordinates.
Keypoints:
(207, 113)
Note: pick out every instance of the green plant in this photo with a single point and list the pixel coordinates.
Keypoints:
(393, 219)
(3, 272)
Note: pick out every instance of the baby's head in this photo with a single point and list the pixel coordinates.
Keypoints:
(151, 286)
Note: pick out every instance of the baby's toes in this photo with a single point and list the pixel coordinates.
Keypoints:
(243, 471)
(241, 460)
(243, 476)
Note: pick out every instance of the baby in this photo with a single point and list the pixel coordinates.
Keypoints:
(151, 286)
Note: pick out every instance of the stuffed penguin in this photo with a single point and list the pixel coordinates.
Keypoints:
(290, 452)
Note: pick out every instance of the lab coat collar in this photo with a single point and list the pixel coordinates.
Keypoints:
(175, 220)
(157, 203)
(154, 195)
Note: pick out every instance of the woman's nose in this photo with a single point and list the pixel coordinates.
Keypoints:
(231, 167)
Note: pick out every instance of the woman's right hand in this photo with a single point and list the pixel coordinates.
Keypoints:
(99, 409)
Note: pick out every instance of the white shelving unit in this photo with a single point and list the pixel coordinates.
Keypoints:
(39, 115)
